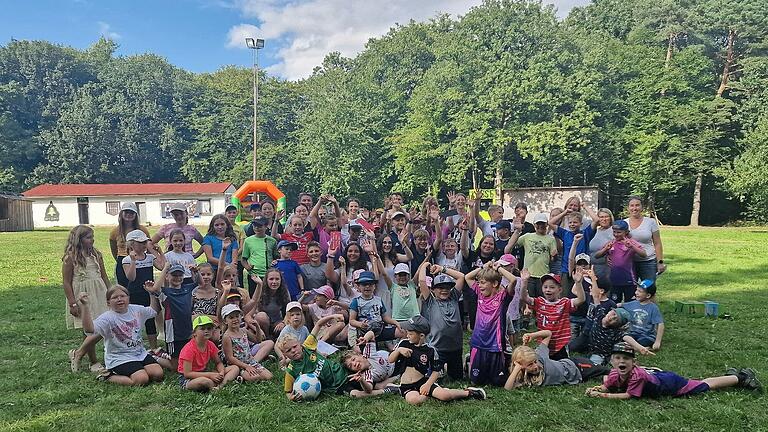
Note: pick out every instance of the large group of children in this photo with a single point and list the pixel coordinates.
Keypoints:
(374, 302)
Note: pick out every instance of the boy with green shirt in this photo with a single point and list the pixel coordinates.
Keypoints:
(405, 301)
(258, 252)
(539, 249)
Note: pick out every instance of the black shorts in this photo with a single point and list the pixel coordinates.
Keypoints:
(174, 348)
(382, 331)
(407, 388)
(487, 367)
(454, 360)
(130, 368)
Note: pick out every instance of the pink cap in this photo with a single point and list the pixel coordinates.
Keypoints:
(326, 291)
(356, 274)
(507, 259)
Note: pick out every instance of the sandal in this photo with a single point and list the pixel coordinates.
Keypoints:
(74, 362)
(104, 375)
(97, 368)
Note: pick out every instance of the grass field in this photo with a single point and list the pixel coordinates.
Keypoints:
(37, 391)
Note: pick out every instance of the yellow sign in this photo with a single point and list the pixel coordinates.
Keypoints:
(486, 194)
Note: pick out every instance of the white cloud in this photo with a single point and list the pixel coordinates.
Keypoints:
(105, 30)
(306, 30)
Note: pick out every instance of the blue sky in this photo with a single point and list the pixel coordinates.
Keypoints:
(204, 35)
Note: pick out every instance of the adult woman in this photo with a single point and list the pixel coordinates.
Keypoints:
(645, 230)
(574, 204)
(127, 221)
(181, 221)
(603, 234)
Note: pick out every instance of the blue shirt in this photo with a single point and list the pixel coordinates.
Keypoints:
(567, 237)
(372, 309)
(643, 318)
(177, 310)
(291, 271)
(215, 243)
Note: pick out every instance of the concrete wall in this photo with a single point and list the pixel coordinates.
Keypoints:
(97, 209)
(542, 200)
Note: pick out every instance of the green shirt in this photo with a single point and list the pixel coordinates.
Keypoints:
(404, 301)
(538, 252)
(259, 252)
(331, 374)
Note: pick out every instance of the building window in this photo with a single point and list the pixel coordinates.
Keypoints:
(113, 208)
(204, 206)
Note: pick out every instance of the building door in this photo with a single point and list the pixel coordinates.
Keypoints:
(82, 210)
(142, 206)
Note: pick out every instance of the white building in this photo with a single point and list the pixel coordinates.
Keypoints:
(99, 204)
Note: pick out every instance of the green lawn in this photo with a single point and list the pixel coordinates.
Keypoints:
(37, 391)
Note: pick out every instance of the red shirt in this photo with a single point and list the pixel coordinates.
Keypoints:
(555, 317)
(300, 254)
(199, 359)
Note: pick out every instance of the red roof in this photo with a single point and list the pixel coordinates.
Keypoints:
(86, 190)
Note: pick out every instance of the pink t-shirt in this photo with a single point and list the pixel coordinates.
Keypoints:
(621, 263)
(199, 359)
(637, 379)
(190, 233)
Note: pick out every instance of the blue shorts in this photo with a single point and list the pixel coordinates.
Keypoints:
(487, 367)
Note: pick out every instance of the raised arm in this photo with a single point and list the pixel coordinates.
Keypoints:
(325, 320)
(555, 220)
(572, 253)
(314, 218)
(422, 275)
(578, 288)
(513, 240)
(525, 276)
(130, 268)
(330, 272)
(438, 227)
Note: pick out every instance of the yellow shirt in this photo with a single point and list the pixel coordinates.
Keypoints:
(122, 246)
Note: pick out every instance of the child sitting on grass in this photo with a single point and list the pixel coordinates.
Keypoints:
(370, 368)
(420, 367)
(367, 312)
(629, 380)
(335, 331)
(236, 345)
(127, 362)
(534, 367)
(646, 324)
(196, 355)
(305, 359)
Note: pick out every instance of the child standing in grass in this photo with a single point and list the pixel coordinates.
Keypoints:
(138, 268)
(628, 380)
(621, 252)
(195, 356)
(292, 274)
(177, 255)
(83, 271)
(127, 362)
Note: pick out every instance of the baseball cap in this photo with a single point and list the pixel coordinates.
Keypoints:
(136, 235)
(541, 217)
(174, 268)
(397, 214)
(503, 224)
(623, 315)
(552, 276)
(228, 309)
(230, 207)
(201, 321)
(234, 295)
(259, 221)
(648, 286)
(292, 305)
(366, 276)
(507, 259)
(255, 206)
(621, 225)
(416, 323)
(583, 257)
(402, 268)
(623, 348)
(356, 274)
(355, 225)
(178, 207)
(443, 280)
(285, 243)
(325, 290)
(129, 206)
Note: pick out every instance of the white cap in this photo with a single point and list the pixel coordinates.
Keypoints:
(178, 206)
(129, 206)
(402, 268)
(228, 309)
(582, 257)
(292, 305)
(397, 213)
(541, 217)
(136, 235)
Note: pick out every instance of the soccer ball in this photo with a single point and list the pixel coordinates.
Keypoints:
(308, 386)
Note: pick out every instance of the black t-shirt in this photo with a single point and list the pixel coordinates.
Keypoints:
(423, 358)
(476, 259)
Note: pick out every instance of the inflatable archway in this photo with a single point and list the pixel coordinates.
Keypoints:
(259, 186)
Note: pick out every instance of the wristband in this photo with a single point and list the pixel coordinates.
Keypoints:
(73, 305)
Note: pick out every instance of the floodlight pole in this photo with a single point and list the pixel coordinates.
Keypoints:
(255, 45)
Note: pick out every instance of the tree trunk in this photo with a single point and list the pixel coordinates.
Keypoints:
(728, 63)
(696, 200)
(671, 43)
(498, 179)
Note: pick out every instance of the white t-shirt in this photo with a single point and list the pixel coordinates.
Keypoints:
(643, 234)
(122, 334)
(455, 263)
(185, 258)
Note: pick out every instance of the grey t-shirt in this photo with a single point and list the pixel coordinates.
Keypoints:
(445, 333)
(602, 236)
(122, 334)
(314, 277)
(557, 372)
(301, 334)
